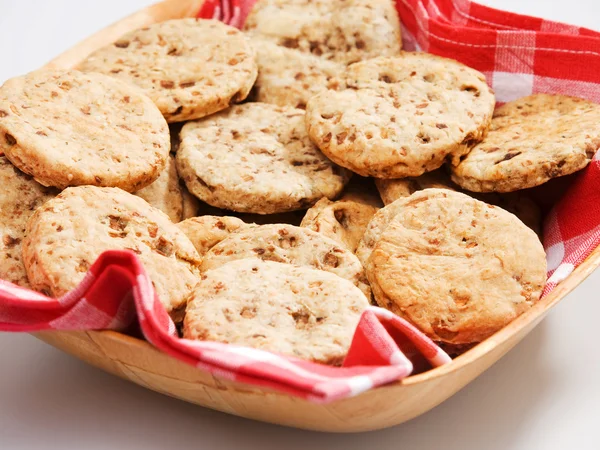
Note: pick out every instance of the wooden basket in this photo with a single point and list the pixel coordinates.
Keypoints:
(137, 361)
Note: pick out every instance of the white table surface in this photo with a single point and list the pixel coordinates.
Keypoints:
(545, 394)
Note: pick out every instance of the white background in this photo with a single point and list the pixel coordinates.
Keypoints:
(545, 394)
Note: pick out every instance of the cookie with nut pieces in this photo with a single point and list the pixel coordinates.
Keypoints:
(292, 245)
(256, 158)
(531, 141)
(462, 277)
(295, 311)
(402, 116)
(67, 234)
(189, 67)
(68, 128)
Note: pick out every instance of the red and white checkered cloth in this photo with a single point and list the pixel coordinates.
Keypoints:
(519, 55)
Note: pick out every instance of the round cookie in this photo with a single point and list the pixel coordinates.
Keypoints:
(288, 244)
(165, 193)
(73, 128)
(400, 117)
(189, 67)
(295, 311)
(461, 277)
(21, 196)
(345, 32)
(532, 140)
(287, 77)
(343, 221)
(207, 231)
(67, 234)
(256, 158)
(518, 204)
(392, 190)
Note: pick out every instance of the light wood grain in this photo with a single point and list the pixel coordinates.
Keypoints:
(137, 361)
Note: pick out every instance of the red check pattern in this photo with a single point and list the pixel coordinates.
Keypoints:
(519, 55)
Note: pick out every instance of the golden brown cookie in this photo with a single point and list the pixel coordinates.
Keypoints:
(392, 190)
(72, 128)
(207, 231)
(189, 67)
(403, 116)
(20, 197)
(295, 311)
(165, 193)
(342, 31)
(461, 277)
(288, 77)
(532, 140)
(256, 158)
(343, 221)
(288, 244)
(67, 234)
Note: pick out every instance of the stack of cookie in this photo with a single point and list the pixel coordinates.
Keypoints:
(358, 173)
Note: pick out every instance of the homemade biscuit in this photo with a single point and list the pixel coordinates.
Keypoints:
(67, 234)
(165, 193)
(189, 67)
(288, 244)
(343, 221)
(532, 140)
(462, 277)
(295, 311)
(288, 77)
(20, 197)
(345, 32)
(73, 128)
(207, 231)
(400, 117)
(256, 158)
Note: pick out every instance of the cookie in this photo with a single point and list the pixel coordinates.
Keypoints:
(21, 196)
(295, 311)
(532, 140)
(343, 221)
(67, 234)
(400, 117)
(462, 277)
(165, 193)
(207, 231)
(345, 32)
(288, 244)
(256, 158)
(72, 128)
(189, 67)
(288, 77)
(392, 190)
(191, 205)
(362, 190)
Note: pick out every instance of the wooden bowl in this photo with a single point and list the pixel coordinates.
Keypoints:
(137, 361)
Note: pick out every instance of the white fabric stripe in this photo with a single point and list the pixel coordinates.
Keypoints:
(563, 271)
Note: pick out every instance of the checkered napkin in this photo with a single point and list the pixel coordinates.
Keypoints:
(519, 55)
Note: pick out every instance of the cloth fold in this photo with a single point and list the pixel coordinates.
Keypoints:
(519, 55)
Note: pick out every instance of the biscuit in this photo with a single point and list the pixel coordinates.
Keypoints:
(165, 193)
(207, 231)
(392, 190)
(343, 221)
(256, 158)
(287, 77)
(532, 140)
(21, 196)
(73, 128)
(288, 244)
(516, 203)
(345, 32)
(400, 117)
(68, 233)
(296, 311)
(462, 277)
(189, 67)
(362, 190)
